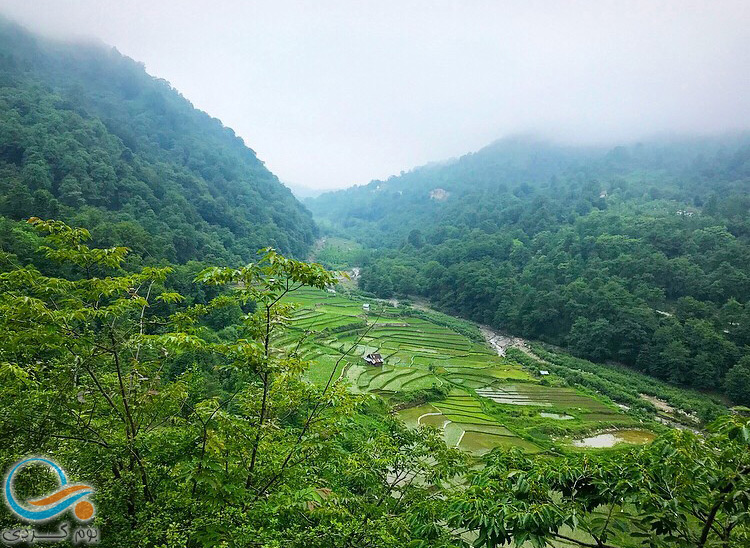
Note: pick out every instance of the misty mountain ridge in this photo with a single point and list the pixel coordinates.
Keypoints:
(527, 152)
(87, 130)
(524, 166)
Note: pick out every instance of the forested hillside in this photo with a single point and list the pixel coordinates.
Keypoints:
(639, 254)
(86, 135)
(200, 433)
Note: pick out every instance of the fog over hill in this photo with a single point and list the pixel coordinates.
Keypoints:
(336, 93)
(90, 137)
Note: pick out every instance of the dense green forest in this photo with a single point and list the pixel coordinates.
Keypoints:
(639, 254)
(195, 435)
(86, 135)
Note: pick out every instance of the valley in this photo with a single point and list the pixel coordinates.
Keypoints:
(468, 382)
(542, 342)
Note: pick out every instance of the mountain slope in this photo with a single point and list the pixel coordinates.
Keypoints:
(88, 136)
(518, 170)
(383, 211)
(639, 254)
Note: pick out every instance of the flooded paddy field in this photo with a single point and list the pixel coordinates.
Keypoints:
(610, 439)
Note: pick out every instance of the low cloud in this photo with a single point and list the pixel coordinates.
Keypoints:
(335, 93)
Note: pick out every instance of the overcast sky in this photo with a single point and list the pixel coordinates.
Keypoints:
(330, 94)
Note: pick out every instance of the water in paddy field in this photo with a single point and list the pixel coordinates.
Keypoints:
(610, 439)
(556, 416)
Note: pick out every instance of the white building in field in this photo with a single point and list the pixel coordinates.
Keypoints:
(366, 307)
(374, 359)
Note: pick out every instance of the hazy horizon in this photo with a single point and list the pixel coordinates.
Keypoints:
(339, 93)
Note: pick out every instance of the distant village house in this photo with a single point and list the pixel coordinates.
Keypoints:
(374, 359)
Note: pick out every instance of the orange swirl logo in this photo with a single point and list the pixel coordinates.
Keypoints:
(51, 505)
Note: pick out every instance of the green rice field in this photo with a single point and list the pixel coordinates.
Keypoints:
(479, 400)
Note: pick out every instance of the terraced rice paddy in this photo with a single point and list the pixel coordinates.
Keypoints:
(464, 425)
(556, 416)
(610, 439)
(420, 353)
(568, 399)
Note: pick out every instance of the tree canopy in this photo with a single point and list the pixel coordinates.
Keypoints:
(86, 135)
